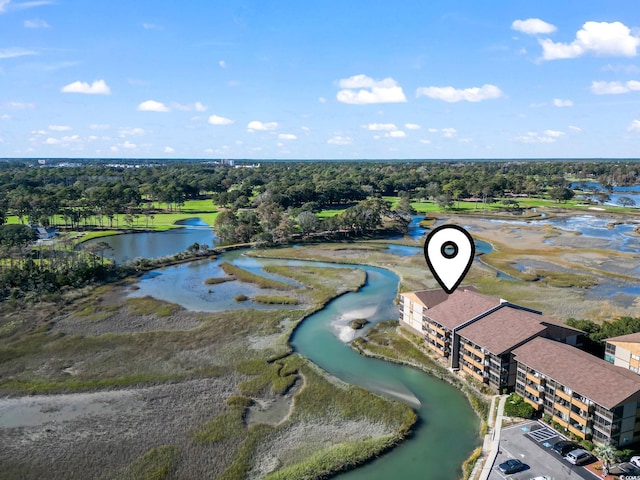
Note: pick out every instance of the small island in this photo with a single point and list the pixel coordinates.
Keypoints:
(358, 323)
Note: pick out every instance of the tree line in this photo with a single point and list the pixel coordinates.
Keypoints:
(84, 195)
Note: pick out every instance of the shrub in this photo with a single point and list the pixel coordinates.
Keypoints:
(515, 406)
(240, 298)
(587, 445)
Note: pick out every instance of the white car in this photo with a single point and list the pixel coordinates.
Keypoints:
(635, 461)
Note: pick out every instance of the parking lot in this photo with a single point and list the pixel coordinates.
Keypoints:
(531, 442)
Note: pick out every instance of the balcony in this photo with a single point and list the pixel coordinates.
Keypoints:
(533, 403)
(578, 419)
(532, 378)
(473, 373)
(562, 408)
(532, 390)
(473, 361)
(437, 329)
(559, 420)
(577, 431)
(580, 404)
(565, 396)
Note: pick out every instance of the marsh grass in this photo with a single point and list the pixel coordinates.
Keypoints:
(246, 276)
(275, 300)
(566, 280)
(156, 464)
(151, 306)
(217, 280)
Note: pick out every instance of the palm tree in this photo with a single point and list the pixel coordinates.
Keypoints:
(607, 454)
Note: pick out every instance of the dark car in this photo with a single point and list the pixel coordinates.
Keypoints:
(564, 446)
(511, 466)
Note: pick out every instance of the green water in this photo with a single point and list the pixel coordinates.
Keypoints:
(447, 431)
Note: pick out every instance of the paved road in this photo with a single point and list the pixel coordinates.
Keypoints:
(530, 442)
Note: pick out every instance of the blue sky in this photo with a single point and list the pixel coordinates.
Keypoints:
(319, 79)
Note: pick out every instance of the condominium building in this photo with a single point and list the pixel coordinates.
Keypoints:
(476, 333)
(624, 351)
(588, 396)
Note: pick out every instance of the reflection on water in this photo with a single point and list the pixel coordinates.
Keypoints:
(129, 246)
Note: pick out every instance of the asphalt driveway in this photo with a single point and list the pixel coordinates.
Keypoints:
(531, 442)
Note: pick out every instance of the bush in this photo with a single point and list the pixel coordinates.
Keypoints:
(515, 406)
(587, 445)
(240, 298)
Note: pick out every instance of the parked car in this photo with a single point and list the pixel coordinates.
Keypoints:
(512, 466)
(578, 456)
(635, 461)
(564, 446)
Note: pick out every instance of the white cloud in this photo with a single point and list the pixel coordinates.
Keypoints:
(153, 106)
(15, 52)
(340, 140)
(169, 149)
(222, 64)
(71, 138)
(4, 116)
(59, 128)
(597, 38)
(52, 141)
(396, 134)
(378, 127)
(99, 87)
(5, 5)
(533, 26)
(425, 142)
(99, 126)
(131, 131)
(218, 120)
(451, 94)
(553, 133)
(614, 88)
(535, 137)
(363, 90)
(36, 23)
(412, 126)
(256, 125)
(322, 100)
(287, 136)
(575, 129)
(558, 102)
(198, 107)
(151, 26)
(449, 132)
(20, 106)
(634, 126)
(127, 144)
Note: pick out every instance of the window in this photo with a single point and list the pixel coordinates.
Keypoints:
(610, 348)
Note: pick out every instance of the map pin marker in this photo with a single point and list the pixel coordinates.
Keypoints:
(449, 251)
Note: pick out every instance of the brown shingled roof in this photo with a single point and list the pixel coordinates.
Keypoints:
(586, 374)
(631, 338)
(504, 329)
(431, 298)
(460, 307)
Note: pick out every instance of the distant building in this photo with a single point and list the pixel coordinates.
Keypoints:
(592, 398)
(624, 351)
(45, 233)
